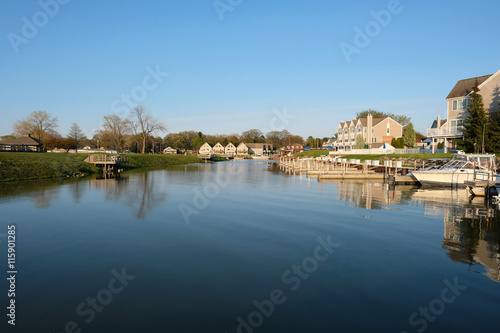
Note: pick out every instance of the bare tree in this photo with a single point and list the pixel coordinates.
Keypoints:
(145, 125)
(115, 128)
(76, 134)
(38, 123)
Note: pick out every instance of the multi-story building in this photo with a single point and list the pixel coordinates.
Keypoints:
(444, 129)
(375, 132)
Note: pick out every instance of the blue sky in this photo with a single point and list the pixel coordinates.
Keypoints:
(233, 74)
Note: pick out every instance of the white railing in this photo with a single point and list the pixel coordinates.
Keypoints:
(434, 132)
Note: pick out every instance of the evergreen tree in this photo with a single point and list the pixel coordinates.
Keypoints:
(409, 136)
(476, 125)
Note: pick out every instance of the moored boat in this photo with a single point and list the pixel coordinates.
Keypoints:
(461, 168)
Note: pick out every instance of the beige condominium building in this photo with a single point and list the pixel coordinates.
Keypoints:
(444, 129)
(375, 132)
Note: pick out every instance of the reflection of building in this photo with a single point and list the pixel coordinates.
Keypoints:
(471, 228)
(370, 195)
(469, 235)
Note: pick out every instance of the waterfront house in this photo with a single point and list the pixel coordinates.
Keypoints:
(373, 131)
(170, 151)
(25, 143)
(260, 148)
(456, 112)
(291, 149)
(230, 149)
(206, 149)
(242, 149)
(218, 148)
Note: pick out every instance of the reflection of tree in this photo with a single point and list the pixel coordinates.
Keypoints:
(136, 191)
(77, 190)
(142, 197)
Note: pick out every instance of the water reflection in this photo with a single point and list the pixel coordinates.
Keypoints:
(471, 225)
(137, 192)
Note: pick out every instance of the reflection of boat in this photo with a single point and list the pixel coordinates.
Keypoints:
(260, 157)
(461, 168)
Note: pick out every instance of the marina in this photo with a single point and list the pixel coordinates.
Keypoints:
(220, 265)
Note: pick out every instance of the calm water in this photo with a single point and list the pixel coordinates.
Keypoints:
(241, 247)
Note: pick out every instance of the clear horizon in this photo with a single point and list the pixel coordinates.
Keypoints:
(224, 67)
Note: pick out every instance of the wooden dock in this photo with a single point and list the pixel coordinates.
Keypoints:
(110, 164)
(335, 168)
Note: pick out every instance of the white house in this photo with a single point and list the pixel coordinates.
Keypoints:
(230, 149)
(206, 149)
(242, 149)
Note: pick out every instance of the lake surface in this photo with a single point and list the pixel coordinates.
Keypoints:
(242, 247)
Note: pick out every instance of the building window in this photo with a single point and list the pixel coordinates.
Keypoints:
(365, 130)
(388, 128)
(374, 140)
(372, 130)
(459, 104)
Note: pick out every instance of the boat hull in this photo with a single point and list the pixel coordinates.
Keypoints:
(445, 177)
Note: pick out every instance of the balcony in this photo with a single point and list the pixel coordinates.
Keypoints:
(444, 132)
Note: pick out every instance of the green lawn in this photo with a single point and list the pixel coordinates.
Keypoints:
(33, 166)
(30, 166)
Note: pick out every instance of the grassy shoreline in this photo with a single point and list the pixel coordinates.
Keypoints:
(36, 166)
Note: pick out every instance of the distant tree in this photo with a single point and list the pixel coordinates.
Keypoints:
(145, 125)
(420, 135)
(409, 136)
(360, 142)
(76, 134)
(311, 142)
(291, 139)
(374, 113)
(9, 137)
(476, 125)
(38, 123)
(402, 119)
(52, 140)
(197, 143)
(175, 140)
(275, 138)
(114, 131)
(252, 136)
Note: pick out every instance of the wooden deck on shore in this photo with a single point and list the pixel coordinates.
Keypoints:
(109, 163)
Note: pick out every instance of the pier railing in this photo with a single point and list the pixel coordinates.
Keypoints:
(106, 158)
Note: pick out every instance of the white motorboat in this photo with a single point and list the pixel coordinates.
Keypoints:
(461, 168)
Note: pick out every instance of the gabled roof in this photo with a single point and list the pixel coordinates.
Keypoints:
(23, 141)
(464, 87)
(377, 120)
